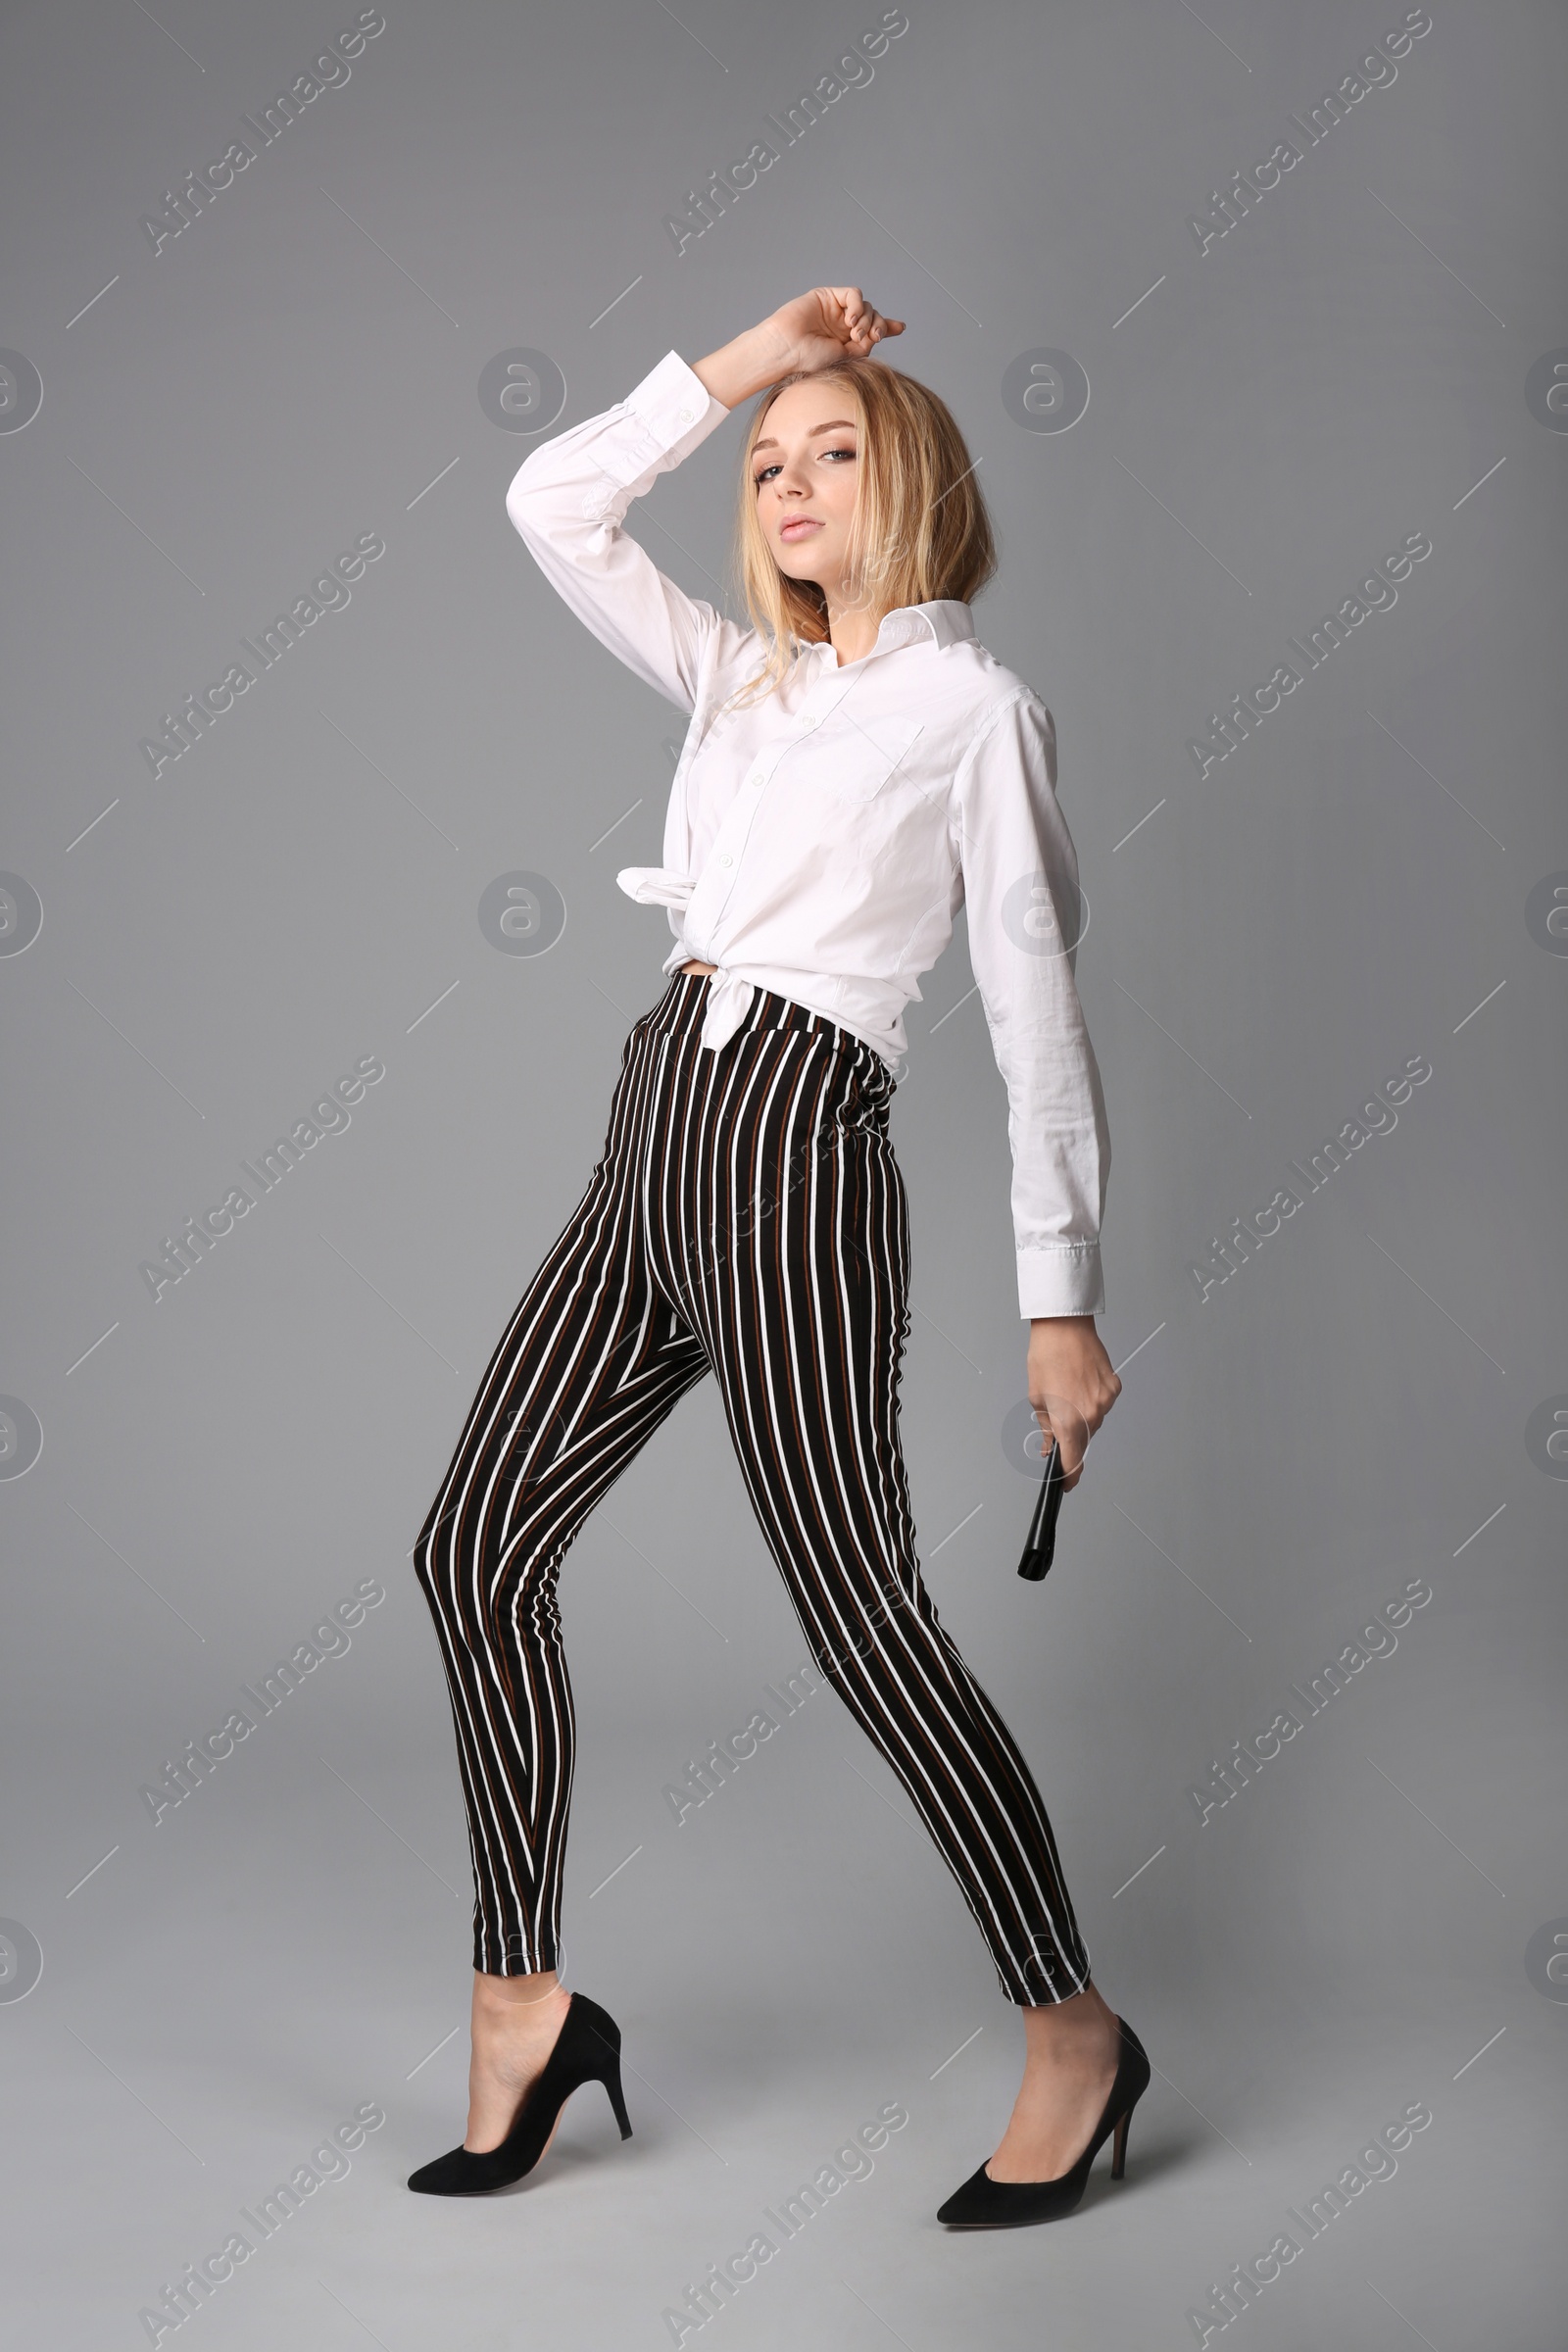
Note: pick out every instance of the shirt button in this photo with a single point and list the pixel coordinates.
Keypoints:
(727, 860)
(683, 415)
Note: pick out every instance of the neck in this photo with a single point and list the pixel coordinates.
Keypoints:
(851, 630)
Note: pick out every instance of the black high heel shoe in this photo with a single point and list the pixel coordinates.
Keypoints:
(587, 2050)
(983, 2203)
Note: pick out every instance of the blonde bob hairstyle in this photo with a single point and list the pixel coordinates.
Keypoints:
(919, 533)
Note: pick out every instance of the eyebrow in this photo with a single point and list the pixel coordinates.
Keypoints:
(839, 424)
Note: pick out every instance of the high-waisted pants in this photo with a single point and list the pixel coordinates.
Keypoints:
(748, 1218)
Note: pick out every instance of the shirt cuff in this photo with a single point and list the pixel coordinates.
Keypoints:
(1060, 1282)
(675, 410)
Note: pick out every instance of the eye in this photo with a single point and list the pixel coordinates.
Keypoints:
(842, 448)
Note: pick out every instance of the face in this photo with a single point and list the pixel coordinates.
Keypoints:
(804, 469)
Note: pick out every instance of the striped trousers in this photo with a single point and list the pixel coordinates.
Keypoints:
(747, 1218)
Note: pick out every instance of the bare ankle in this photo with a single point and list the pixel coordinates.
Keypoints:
(514, 1997)
(1070, 2031)
(521, 1984)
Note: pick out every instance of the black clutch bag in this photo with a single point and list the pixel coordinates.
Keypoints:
(1040, 1548)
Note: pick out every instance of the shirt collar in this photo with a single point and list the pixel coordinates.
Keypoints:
(945, 621)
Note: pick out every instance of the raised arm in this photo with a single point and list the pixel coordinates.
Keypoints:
(569, 499)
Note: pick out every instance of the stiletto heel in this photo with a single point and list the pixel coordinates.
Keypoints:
(587, 2050)
(987, 2204)
(617, 2097)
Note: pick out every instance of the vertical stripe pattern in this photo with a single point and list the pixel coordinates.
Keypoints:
(747, 1218)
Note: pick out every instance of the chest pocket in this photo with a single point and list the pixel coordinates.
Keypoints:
(860, 758)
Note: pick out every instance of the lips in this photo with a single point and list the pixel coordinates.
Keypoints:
(799, 527)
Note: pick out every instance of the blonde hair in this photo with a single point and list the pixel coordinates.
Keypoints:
(921, 531)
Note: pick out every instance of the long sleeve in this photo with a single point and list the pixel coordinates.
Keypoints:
(1020, 881)
(568, 500)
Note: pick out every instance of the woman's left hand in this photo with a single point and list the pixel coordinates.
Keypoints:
(1072, 1386)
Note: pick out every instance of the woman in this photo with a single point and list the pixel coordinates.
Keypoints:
(857, 767)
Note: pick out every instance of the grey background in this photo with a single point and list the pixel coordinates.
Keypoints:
(301, 889)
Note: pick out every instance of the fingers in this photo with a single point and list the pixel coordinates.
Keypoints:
(1070, 1451)
(853, 306)
(1060, 1417)
(1074, 1411)
(861, 323)
(872, 326)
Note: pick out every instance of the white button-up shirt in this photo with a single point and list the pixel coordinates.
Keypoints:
(820, 842)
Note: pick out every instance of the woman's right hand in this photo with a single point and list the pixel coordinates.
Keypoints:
(831, 322)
